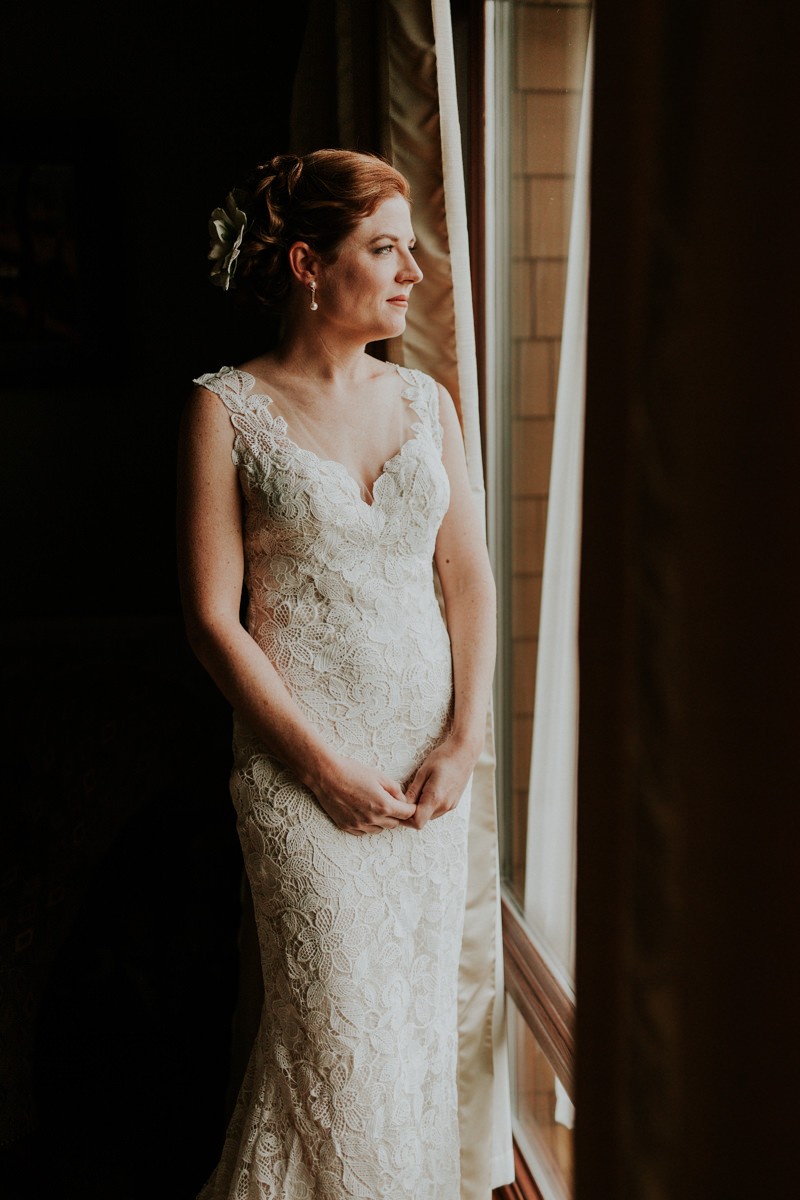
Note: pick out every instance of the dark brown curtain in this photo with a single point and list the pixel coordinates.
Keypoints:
(688, 826)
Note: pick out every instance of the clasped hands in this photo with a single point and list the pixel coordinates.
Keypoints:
(361, 799)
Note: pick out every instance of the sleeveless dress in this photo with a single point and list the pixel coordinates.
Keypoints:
(350, 1091)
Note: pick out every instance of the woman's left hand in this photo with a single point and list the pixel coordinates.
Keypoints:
(439, 783)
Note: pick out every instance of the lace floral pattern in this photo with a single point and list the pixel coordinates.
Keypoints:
(351, 1087)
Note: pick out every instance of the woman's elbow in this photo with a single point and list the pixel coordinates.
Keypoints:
(208, 631)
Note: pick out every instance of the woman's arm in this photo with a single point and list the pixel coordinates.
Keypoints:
(462, 562)
(357, 798)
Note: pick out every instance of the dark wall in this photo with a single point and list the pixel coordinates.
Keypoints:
(119, 870)
(157, 114)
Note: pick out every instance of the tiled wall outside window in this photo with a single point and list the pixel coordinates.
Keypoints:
(548, 64)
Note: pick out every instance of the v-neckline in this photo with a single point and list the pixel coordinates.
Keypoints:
(283, 428)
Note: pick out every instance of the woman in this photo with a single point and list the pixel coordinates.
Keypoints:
(331, 484)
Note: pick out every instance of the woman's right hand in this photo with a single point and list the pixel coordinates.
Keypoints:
(360, 799)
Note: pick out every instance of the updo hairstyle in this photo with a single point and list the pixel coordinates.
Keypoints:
(319, 199)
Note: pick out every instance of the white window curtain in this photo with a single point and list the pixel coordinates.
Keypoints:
(550, 851)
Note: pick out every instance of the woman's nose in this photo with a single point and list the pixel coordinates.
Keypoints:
(410, 270)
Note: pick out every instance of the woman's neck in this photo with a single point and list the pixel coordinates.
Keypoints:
(316, 354)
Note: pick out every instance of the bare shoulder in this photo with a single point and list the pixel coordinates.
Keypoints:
(269, 376)
(204, 404)
(448, 413)
(376, 372)
(445, 399)
(263, 366)
(205, 421)
(380, 366)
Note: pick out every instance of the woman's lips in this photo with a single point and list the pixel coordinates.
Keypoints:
(400, 301)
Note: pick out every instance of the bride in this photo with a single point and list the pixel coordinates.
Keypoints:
(331, 488)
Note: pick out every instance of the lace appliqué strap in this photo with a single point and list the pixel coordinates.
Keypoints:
(233, 387)
(249, 410)
(425, 402)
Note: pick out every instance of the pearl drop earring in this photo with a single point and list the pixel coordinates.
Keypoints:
(314, 305)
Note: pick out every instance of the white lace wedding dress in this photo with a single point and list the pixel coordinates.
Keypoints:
(351, 1086)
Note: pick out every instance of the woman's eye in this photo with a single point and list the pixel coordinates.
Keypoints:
(383, 249)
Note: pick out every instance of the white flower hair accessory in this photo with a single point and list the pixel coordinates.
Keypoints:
(226, 229)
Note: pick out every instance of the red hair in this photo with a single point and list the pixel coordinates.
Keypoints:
(317, 198)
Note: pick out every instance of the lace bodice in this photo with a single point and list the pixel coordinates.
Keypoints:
(341, 592)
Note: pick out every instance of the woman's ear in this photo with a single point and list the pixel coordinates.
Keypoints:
(303, 262)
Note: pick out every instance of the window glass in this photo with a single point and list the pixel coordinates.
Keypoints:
(546, 54)
(536, 56)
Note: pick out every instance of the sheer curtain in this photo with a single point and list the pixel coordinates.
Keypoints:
(550, 857)
(380, 75)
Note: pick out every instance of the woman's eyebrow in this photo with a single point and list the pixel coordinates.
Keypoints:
(389, 237)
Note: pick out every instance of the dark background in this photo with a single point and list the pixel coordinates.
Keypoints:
(119, 868)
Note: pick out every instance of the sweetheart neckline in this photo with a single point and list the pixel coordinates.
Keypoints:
(283, 428)
(340, 466)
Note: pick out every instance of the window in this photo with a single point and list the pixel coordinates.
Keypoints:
(536, 56)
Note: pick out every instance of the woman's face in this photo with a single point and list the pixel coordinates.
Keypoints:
(365, 291)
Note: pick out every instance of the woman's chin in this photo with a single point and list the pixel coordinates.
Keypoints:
(382, 330)
(395, 327)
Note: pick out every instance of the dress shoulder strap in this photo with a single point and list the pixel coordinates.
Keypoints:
(233, 387)
(248, 410)
(422, 392)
